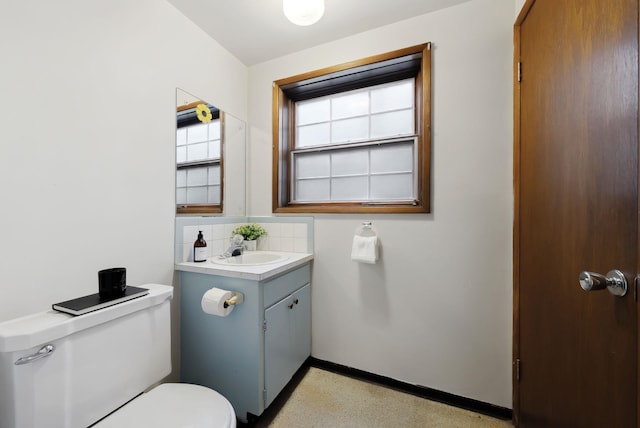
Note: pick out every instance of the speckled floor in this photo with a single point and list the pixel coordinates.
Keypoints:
(321, 399)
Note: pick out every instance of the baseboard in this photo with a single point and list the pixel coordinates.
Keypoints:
(417, 390)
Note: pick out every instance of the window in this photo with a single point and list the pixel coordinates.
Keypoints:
(198, 160)
(355, 137)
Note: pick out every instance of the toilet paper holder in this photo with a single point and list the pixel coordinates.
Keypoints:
(236, 299)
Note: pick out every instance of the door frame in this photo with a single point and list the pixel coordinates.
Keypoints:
(516, 208)
(516, 220)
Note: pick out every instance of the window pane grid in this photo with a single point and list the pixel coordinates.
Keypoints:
(198, 185)
(352, 116)
(394, 183)
(198, 162)
(198, 142)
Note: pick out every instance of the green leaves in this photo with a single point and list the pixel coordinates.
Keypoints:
(249, 231)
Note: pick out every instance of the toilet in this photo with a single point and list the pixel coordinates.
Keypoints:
(99, 369)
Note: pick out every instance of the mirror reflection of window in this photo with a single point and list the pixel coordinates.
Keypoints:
(199, 141)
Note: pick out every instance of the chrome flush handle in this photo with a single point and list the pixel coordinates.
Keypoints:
(614, 281)
(45, 351)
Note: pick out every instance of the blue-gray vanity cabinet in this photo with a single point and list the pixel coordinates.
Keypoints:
(251, 354)
(287, 341)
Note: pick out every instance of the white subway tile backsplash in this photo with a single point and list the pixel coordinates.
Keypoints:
(263, 243)
(217, 247)
(214, 248)
(286, 230)
(217, 231)
(228, 229)
(190, 234)
(273, 229)
(187, 252)
(291, 236)
(299, 245)
(300, 230)
(286, 243)
(274, 243)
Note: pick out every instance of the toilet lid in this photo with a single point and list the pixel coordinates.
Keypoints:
(174, 405)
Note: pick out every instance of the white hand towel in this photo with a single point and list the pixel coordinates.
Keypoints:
(365, 249)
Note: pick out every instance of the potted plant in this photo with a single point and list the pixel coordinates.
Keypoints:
(250, 232)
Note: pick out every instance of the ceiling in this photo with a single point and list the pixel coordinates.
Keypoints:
(255, 31)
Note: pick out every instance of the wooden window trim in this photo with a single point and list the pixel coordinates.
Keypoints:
(283, 110)
(192, 118)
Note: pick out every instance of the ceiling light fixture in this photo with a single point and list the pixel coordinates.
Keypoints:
(303, 12)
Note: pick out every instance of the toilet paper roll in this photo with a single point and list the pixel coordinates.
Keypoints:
(213, 302)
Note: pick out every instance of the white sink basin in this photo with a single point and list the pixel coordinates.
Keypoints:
(250, 258)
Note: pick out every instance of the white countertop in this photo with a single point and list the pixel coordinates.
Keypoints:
(256, 273)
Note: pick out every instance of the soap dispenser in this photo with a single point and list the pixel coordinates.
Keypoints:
(200, 249)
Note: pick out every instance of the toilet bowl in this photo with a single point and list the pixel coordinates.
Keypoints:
(57, 370)
(173, 405)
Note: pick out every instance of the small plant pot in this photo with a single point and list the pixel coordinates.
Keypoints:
(250, 245)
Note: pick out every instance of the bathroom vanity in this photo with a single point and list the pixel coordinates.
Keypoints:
(252, 353)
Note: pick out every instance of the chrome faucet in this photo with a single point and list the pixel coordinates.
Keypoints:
(235, 249)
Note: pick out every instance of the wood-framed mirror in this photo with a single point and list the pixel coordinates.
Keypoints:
(199, 156)
(210, 158)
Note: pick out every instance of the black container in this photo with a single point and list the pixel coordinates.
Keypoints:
(112, 282)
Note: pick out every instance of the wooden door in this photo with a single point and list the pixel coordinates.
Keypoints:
(576, 190)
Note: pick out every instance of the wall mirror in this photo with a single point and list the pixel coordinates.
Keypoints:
(210, 158)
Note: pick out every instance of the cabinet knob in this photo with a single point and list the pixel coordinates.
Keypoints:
(295, 301)
(290, 305)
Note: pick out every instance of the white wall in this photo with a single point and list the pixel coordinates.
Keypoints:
(87, 151)
(436, 310)
(86, 171)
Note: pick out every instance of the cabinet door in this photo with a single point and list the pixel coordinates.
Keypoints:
(301, 327)
(287, 340)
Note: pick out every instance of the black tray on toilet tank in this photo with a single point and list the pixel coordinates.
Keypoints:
(93, 302)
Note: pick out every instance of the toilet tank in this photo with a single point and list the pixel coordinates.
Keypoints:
(101, 360)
